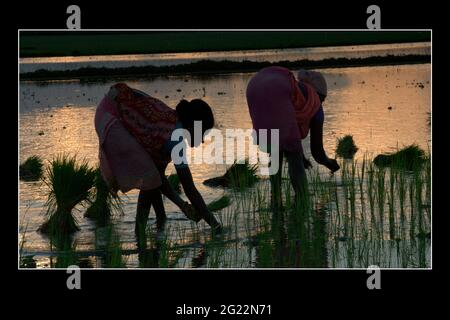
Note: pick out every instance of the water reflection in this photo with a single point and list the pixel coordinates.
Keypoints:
(382, 107)
(295, 240)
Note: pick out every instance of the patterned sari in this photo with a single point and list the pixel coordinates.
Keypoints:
(132, 129)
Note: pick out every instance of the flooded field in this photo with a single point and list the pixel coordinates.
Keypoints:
(384, 108)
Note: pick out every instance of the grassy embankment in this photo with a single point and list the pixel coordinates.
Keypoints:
(47, 44)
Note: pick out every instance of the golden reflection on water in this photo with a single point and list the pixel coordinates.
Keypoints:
(382, 107)
(63, 130)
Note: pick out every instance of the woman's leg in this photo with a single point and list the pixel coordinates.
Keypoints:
(275, 183)
(146, 199)
(157, 201)
(297, 174)
(160, 212)
(143, 210)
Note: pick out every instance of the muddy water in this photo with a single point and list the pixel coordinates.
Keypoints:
(382, 107)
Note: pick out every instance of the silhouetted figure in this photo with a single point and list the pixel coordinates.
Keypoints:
(276, 100)
(135, 133)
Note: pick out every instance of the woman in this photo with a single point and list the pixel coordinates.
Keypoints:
(277, 101)
(135, 132)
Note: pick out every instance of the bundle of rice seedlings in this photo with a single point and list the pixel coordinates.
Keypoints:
(219, 204)
(104, 203)
(408, 158)
(346, 147)
(31, 169)
(239, 176)
(113, 249)
(69, 184)
(215, 182)
(174, 182)
(214, 205)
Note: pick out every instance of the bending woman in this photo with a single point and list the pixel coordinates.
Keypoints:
(135, 132)
(277, 101)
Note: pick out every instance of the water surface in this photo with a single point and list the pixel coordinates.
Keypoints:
(382, 107)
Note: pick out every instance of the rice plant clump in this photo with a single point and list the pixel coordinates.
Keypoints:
(104, 203)
(346, 147)
(70, 183)
(238, 176)
(31, 169)
(219, 203)
(408, 158)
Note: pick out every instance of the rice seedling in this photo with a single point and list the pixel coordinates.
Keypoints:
(166, 251)
(264, 251)
(104, 203)
(371, 194)
(238, 176)
(408, 158)
(350, 250)
(346, 198)
(422, 252)
(361, 176)
(412, 225)
(381, 198)
(113, 257)
(66, 254)
(427, 181)
(31, 169)
(24, 261)
(401, 191)
(391, 203)
(335, 196)
(220, 203)
(70, 183)
(346, 147)
(418, 184)
(352, 198)
(217, 255)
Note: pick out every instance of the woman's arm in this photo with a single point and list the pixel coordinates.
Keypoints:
(186, 207)
(167, 190)
(184, 173)
(185, 176)
(317, 151)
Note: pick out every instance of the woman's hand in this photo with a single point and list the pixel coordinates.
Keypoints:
(190, 212)
(333, 165)
(196, 198)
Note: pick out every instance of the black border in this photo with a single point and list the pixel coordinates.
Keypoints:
(159, 291)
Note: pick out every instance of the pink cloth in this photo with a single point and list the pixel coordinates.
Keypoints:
(124, 163)
(148, 119)
(275, 102)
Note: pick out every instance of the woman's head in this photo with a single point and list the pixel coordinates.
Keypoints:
(195, 110)
(316, 80)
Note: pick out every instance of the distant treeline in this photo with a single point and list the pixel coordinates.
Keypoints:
(225, 66)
